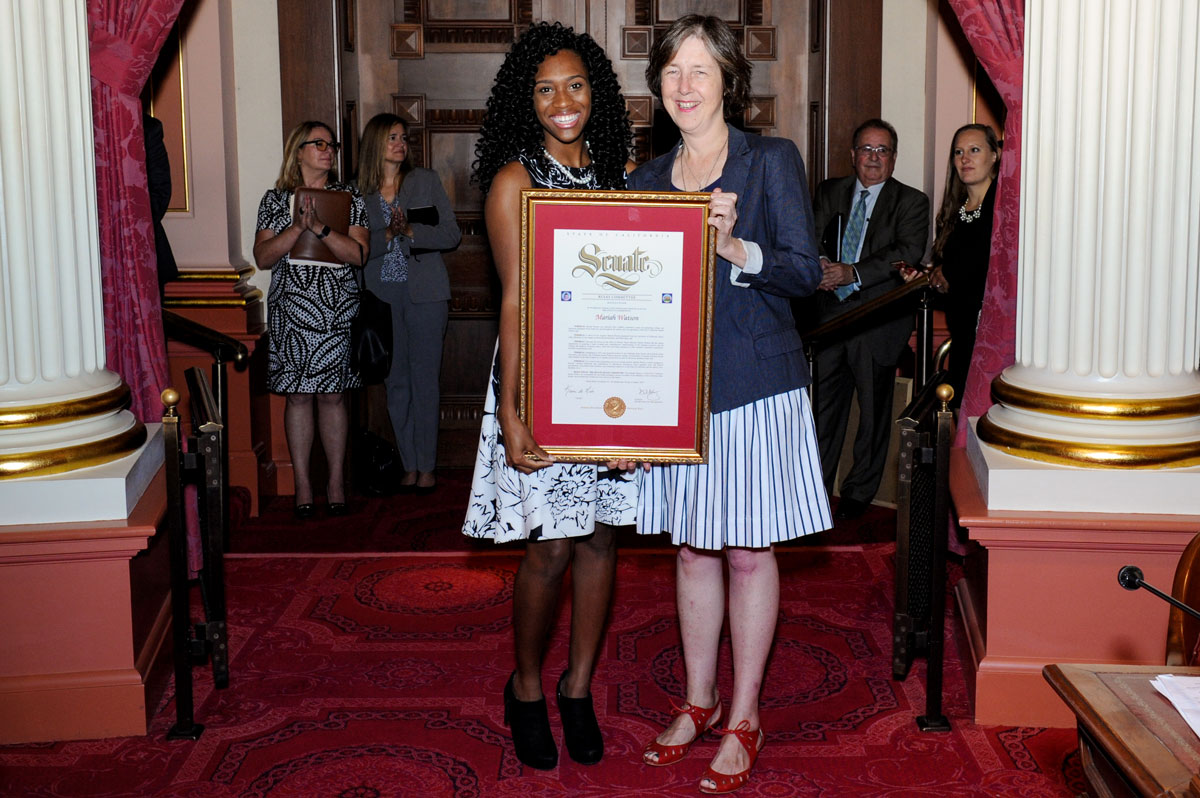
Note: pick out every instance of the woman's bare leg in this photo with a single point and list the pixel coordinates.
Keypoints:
(593, 568)
(700, 598)
(535, 605)
(753, 611)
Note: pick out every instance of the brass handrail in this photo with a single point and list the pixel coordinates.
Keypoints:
(205, 413)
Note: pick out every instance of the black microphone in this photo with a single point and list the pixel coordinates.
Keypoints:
(1130, 578)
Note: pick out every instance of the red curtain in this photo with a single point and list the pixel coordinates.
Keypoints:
(996, 32)
(125, 37)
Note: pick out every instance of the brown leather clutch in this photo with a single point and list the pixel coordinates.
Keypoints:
(333, 208)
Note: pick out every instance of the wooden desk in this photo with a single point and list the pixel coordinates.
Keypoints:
(1131, 740)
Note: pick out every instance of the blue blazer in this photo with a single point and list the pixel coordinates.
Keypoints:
(757, 351)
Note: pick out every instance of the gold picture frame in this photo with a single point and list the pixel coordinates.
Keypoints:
(616, 323)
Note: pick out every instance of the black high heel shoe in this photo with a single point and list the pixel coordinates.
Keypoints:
(581, 732)
(530, 725)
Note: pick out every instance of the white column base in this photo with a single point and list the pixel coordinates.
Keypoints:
(105, 492)
(1016, 483)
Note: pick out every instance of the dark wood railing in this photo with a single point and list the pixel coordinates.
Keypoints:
(224, 350)
(193, 333)
(922, 529)
(922, 490)
(853, 321)
(196, 460)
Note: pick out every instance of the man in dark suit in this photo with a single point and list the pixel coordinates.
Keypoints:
(867, 221)
(158, 178)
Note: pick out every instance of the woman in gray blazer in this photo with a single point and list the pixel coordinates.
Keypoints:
(411, 224)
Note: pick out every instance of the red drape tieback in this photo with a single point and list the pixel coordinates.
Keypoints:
(115, 64)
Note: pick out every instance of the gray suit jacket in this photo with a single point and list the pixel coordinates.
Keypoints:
(898, 230)
(427, 277)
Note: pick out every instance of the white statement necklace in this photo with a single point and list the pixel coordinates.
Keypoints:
(969, 217)
(588, 171)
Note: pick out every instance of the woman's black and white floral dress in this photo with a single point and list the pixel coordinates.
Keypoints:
(309, 310)
(560, 501)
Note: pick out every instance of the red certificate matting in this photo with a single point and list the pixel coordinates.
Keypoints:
(616, 324)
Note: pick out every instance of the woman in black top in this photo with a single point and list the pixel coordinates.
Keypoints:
(962, 246)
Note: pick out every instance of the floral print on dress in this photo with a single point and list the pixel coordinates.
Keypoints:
(560, 501)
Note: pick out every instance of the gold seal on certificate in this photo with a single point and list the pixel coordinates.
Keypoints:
(614, 407)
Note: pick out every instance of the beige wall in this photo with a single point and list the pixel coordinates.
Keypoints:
(232, 120)
(928, 88)
(954, 106)
(905, 102)
(201, 237)
(255, 114)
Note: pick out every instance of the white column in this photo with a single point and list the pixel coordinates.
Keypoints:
(1108, 318)
(60, 408)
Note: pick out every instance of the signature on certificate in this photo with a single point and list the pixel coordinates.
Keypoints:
(578, 390)
(649, 394)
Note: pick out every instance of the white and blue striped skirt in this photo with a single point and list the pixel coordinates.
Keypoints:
(761, 485)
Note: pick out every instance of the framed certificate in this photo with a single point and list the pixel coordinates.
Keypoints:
(616, 323)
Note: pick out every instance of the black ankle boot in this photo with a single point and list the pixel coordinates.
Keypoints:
(530, 725)
(580, 729)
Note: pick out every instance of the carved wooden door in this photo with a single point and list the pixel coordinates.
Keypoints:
(433, 61)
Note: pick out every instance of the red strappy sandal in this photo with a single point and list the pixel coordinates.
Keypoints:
(752, 740)
(702, 719)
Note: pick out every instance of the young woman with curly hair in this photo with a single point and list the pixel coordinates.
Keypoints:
(555, 119)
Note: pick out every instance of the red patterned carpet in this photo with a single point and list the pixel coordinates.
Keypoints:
(375, 676)
(433, 523)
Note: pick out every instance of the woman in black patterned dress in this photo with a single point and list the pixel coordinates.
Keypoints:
(309, 309)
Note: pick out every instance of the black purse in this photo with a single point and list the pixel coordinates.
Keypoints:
(377, 469)
(371, 336)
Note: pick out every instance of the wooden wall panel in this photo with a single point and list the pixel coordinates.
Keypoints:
(845, 67)
(308, 69)
(474, 288)
(470, 342)
(318, 72)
